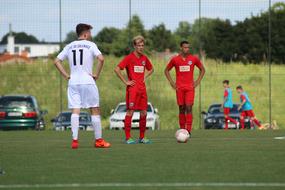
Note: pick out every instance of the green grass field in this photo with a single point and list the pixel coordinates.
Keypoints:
(42, 80)
(238, 157)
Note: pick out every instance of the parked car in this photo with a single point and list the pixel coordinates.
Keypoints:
(21, 112)
(62, 121)
(118, 114)
(214, 118)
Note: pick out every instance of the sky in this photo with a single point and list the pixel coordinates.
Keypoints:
(41, 17)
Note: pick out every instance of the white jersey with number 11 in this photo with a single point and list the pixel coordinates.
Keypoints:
(80, 55)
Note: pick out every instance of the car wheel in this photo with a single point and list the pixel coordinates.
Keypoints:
(40, 125)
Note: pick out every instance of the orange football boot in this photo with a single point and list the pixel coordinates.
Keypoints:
(74, 144)
(101, 143)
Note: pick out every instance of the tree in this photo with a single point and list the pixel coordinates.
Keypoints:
(135, 26)
(106, 38)
(161, 38)
(21, 38)
(278, 32)
(122, 45)
(223, 34)
(202, 37)
(183, 31)
(70, 37)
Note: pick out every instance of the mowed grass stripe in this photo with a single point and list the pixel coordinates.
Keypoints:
(190, 184)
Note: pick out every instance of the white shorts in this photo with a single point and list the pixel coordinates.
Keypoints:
(83, 96)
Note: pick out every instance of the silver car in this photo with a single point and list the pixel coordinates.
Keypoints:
(118, 116)
(62, 121)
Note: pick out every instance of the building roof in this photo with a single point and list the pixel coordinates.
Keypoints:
(6, 58)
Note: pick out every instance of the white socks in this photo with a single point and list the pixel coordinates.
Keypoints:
(96, 123)
(74, 126)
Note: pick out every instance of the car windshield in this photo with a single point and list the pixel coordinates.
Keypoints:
(216, 109)
(65, 117)
(16, 102)
(123, 109)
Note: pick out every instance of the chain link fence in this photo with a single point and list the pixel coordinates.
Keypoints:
(238, 40)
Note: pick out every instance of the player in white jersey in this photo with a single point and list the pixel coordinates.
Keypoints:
(82, 91)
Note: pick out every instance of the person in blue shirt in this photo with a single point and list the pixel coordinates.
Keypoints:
(227, 104)
(246, 108)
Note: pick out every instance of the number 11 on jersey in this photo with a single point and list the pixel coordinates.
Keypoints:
(74, 56)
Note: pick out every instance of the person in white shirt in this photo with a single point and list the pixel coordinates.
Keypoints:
(82, 91)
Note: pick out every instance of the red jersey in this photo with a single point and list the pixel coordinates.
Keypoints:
(226, 93)
(135, 67)
(184, 70)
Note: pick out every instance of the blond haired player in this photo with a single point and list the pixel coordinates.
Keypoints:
(138, 68)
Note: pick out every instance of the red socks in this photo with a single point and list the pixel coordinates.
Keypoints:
(242, 123)
(231, 120)
(142, 126)
(226, 124)
(182, 120)
(128, 125)
(256, 122)
(189, 119)
(227, 118)
(251, 123)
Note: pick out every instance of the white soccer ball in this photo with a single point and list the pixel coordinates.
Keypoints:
(182, 135)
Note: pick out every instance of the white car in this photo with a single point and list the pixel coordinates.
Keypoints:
(118, 116)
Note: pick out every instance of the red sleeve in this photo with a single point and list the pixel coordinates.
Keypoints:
(198, 63)
(226, 93)
(148, 64)
(242, 97)
(123, 64)
(171, 63)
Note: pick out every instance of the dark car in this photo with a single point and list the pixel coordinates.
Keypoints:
(214, 118)
(21, 112)
(62, 121)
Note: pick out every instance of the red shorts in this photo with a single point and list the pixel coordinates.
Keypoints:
(185, 96)
(136, 99)
(248, 113)
(227, 111)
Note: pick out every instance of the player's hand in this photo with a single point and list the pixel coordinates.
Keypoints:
(239, 108)
(173, 85)
(131, 83)
(67, 77)
(196, 83)
(95, 77)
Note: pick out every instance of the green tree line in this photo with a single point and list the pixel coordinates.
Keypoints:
(245, 41)
(215, 38)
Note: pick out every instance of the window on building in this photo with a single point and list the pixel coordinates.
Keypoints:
(16, 49)
(28, 49)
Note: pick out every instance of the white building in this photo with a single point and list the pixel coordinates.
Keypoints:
(31, 50)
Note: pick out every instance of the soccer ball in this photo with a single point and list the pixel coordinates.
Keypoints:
(182, 135)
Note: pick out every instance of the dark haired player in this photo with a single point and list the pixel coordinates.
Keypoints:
(82, 91)
(246, 108)
(184, 64)
(228, 103)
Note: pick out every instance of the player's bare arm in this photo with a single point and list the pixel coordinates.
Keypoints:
(121, 76)
(242, 103)
(222, 106)
(148, 73)
(200, 77)
(225, 99)
(99, 67)
(58, 65)
(169, 78)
